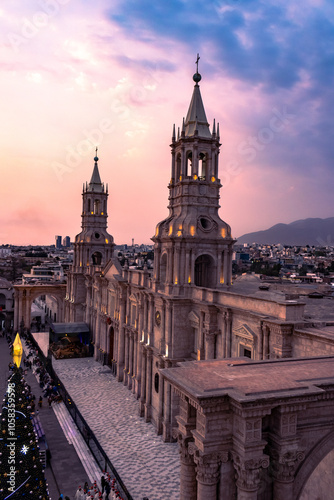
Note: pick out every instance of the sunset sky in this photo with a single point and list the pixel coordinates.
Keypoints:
(118, 74)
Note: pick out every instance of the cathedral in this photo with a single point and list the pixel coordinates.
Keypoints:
(187, 308)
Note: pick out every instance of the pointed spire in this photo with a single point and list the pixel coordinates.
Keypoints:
(95, 182)
(183, 128)
(196, 118)
(218, 134)
(173, 135)
(178, 133)
(214, 128)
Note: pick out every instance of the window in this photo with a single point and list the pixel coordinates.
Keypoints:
(156, 382)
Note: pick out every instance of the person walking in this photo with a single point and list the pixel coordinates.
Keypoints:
(40, 402)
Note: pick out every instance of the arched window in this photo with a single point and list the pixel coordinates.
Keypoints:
(97, 259)
(178, 167)
(156, 382)
(205, 271)
(88, 206)
(189, 163)
(96, 207)
(202, 165)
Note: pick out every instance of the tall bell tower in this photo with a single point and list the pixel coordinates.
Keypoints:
(93, 247)
(193, 246)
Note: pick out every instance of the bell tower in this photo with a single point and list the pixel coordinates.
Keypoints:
(93, 246)
(193, 245)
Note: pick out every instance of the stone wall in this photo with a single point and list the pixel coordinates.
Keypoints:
(308, 343)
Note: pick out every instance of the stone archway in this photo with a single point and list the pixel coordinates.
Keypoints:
(315, 457)
(24, 296)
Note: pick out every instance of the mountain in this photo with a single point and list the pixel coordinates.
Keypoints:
(313, 232)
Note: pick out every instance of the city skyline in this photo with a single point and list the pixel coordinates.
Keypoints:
(117, 78)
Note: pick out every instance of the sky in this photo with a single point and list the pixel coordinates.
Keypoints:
(77, 74)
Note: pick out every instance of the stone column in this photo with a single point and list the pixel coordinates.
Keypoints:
(188, 483)
(121, 340)
(139, 355)
(170, 266)
(210, 340)
(143, 380)
(207, 477)
(225, 266)
(130, 370)
(283, 470)
(227, 486)
(187, 268)
(228, 333)
(161, 398)
(266, 343)
(163, 330)
(148, 386)
(220, 271)
(176, 277)
(169, 326)
(260, 342)
(126, 357)
(166, 424)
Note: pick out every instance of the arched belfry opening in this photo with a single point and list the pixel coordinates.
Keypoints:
(202, 165)
(205, 271)
(189, 163)
(97, 259)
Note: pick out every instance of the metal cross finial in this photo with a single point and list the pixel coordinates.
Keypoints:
(196, 62)
(96, 150)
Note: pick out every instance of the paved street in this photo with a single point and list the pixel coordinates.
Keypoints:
(148, 466)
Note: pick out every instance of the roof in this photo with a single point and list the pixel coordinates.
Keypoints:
(196, 117)
(69, 327)
(246, 380)
(95, 182)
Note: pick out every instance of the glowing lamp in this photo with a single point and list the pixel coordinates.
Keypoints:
(17, 350)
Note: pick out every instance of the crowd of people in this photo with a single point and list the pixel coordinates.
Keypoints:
(109, 490)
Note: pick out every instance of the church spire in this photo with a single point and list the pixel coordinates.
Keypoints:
(196, 122)
(95, 182)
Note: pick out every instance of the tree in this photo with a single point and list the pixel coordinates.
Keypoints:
(21, 470)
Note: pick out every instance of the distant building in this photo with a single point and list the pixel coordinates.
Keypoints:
(58, 242)
(66, 242)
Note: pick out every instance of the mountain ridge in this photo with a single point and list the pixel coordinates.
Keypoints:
(312, 231)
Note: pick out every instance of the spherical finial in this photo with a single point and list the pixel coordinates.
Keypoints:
(197, 77)
(96, 158)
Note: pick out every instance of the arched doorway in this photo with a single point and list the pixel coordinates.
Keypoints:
(111, 345)
(205, 271)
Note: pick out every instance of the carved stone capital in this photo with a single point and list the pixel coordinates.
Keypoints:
(207, 467)
(248, 471)
(283, 466)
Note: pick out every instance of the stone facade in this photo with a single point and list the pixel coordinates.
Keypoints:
(253, 430)
(187, 310)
